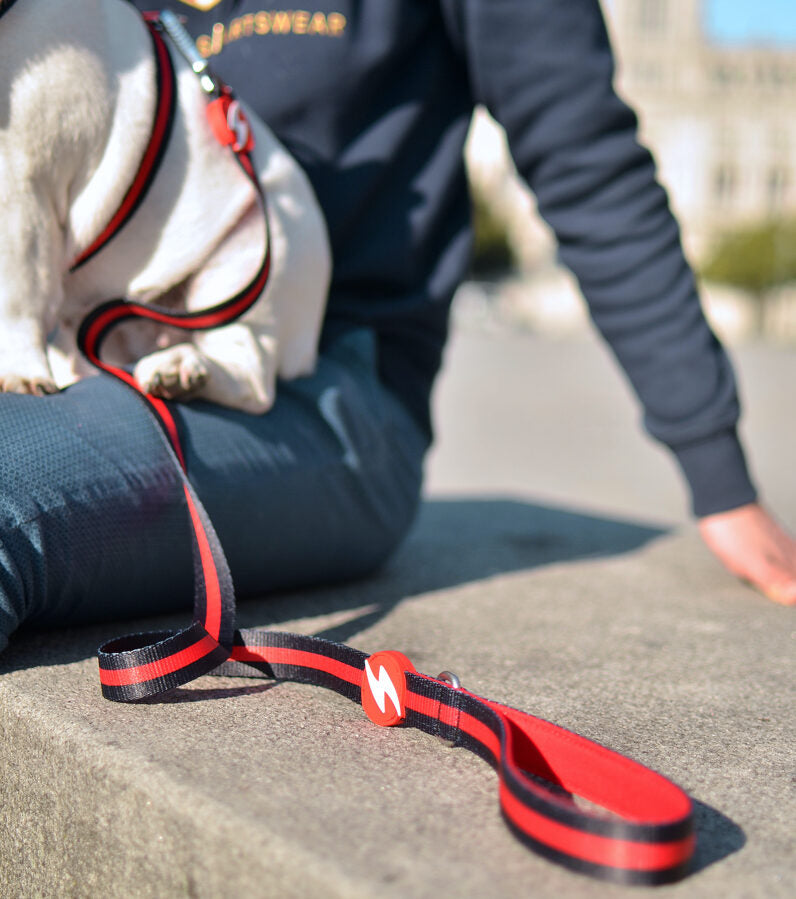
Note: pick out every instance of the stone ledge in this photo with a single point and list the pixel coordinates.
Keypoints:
(237, 785)
(591, 614)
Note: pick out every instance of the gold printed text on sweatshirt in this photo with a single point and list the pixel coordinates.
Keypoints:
(274, 22)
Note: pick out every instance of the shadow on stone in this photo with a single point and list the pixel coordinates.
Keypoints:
(458, 541)
(196, 694)
(454, 541)
(717, 837)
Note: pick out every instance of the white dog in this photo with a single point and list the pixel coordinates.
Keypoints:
(77, 100)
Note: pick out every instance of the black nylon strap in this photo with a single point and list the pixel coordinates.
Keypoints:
(5, 5)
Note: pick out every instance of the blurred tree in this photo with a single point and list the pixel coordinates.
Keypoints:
(492, 253)
(757, 258)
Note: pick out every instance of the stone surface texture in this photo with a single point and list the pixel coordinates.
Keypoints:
(552, 567)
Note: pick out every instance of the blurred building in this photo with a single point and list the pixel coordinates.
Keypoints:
(721, 124)
(721, 120)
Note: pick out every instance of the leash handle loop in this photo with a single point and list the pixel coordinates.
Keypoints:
(642, 829)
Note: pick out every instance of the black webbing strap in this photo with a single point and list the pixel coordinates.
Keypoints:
(5, 5)
(645, 837)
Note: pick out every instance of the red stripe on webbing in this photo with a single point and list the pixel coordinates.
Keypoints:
(625, 854)
(186, 321)
(213, 318)
(161, 409)
(95, 330)
(164, 414)
(455, 718)
(587, 769)
(212, 622)
(166, 100)
(140, 674)
(274, 655)
(197, 321)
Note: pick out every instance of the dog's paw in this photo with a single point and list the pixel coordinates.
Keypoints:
(35, 386)
(172, 374)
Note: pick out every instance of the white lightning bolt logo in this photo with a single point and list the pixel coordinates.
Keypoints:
(238, 125)
(381, 688)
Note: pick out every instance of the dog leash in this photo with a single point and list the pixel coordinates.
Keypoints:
(541, 767)
(645, 835)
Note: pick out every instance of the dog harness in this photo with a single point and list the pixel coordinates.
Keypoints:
(645, 833)
(158, 141)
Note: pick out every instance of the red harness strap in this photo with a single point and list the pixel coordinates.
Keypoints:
(648, 837)
(161, 131)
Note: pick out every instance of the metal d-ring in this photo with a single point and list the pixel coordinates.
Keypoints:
(450, 679)
(454, 683)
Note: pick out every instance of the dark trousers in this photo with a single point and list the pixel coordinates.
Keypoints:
(93, 524)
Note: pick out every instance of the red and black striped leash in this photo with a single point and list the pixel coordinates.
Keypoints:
(645, 835)
(163, 661)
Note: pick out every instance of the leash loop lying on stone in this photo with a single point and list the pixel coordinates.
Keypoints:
(646, 835)
(642, 831)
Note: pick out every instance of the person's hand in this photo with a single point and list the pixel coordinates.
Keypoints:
(754, 547)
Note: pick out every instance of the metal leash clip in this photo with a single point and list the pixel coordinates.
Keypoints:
(183, 41)
(452, 680)
(224, 113)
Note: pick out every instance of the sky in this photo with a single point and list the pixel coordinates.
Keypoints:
(739, 21)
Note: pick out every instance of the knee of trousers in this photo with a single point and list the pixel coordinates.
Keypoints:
(89, 504)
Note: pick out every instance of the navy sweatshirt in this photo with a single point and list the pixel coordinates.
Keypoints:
(374, 98)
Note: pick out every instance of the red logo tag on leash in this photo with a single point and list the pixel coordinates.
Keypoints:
(229, 124)
(384, 687)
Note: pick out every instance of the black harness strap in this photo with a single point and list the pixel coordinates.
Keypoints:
(5, 5)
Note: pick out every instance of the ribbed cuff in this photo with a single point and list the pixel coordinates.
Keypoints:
(716, 472)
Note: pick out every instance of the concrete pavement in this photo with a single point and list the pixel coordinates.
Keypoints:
(552, 567)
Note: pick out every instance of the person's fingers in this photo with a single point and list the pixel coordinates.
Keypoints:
(754, 547)
(784, 592)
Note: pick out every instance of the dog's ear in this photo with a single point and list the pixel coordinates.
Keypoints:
(5, 5)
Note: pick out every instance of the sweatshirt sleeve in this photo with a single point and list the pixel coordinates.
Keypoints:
(544, 69)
